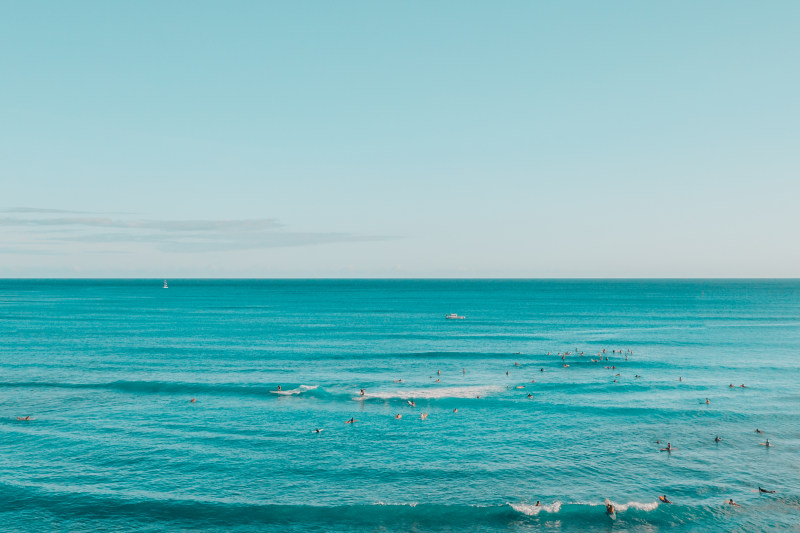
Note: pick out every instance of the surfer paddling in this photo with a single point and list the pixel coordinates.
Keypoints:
(731, 502)
(664, 499)
(765, 491)
(669, 448)
(351, 421)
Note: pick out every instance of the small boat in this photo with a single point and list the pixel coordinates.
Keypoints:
(165, 284)
(454, 316)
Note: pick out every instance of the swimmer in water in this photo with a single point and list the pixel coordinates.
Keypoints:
(742, 386)
(24, 417)
(731, 502)
(352, 420)
(317, 430)
(506, 372)
(530, 395)
(398, 381)
(765, 491)
(717, 439)
(759, 431)
(398, 416)
(708, 401)
(455, 410)
(731, 385)
(193, 400)
(680, 379)
(362, 392)
(438, 372)
(423, 416)
(664, 499)
(541, 370)
(538, 503)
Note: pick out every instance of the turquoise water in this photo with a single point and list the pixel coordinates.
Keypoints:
(107, 368)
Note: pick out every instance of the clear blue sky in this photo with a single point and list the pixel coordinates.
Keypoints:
(404, 139)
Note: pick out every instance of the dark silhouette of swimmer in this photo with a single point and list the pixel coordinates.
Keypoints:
(664, 499)
(731, 502)
(717, 439)
(317, 430)
(279, 387)
(530, 395)
(538, 503)
(765, 491)
(24, 417)
(759, 431)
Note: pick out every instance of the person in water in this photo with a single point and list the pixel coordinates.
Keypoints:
(708, 401)
(362, 392)
(318, 430)
(717, 439)
(398, 416)
(731, 502)
(609, 509)
(193, 400)
(767, 444)
(765, 491)
(664, 499)
(759, 431)
(352, 420)
(538, 503)
(279, 387)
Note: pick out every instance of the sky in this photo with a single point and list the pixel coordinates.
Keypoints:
(399, 139)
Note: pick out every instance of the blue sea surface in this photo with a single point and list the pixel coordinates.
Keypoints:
(106, 371)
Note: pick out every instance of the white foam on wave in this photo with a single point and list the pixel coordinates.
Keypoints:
(636, 505)
(298, 390)
(435, 393)
(533, 510)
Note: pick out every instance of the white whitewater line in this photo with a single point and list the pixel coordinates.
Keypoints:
(533, 510)
(435, 393)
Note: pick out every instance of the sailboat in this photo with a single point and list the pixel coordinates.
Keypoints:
(165, 284)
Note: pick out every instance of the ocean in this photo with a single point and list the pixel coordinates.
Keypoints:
(561, 392)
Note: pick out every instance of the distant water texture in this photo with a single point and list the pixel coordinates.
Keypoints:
(107, 371)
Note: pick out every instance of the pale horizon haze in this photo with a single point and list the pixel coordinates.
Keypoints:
(411, 140)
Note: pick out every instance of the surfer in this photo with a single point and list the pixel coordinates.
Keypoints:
(423, 416)
(317, 430)
(530, 395)
(455, 410)
(538, 503)
(279, 387)
(759, 431)
(742, 386)
(398, 381)
(708, 401)
(398, 416)
(362, 392)
(765, 491)
(412, 404)
(767, 444)
(193, 400)
(352, 420)
(731, 385)
(24, 417)
(610, 509)
(717, 439)
(669, 448)
(731, 502)
(664, 499)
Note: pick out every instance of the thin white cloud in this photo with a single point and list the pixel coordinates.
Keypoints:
(169, 236)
